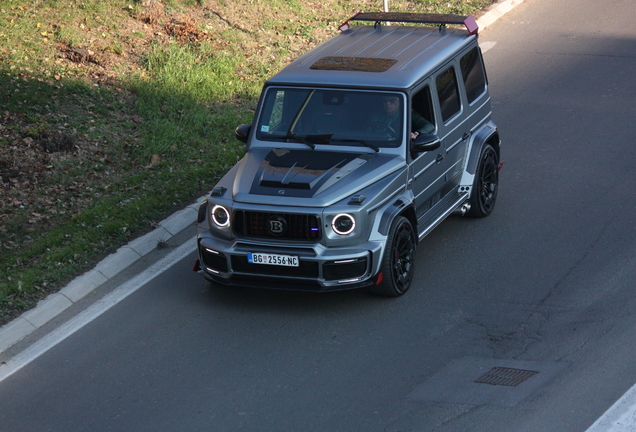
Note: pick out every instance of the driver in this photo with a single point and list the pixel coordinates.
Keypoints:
(391, 117)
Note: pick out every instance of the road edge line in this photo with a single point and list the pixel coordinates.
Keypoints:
(56, 336)
(620, 417)
(56, 303)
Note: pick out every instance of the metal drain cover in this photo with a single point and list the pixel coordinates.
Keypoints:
(503, 376)
(509, 379)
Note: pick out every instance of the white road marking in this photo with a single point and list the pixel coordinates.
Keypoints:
(485, 46)
(99, 307)
(621, 417)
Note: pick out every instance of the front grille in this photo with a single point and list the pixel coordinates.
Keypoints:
(212, 260)
(285, 226)
(341, 271)
(307, 269)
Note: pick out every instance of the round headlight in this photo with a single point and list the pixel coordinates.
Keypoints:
(343, 224)
(220, 216)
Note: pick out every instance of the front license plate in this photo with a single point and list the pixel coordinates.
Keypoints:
(273, 259)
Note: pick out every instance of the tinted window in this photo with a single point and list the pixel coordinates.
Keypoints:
(448, 94)
(422, 118)
(473, 74)
(332, 116)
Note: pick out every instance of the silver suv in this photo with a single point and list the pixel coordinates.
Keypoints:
(358, 149)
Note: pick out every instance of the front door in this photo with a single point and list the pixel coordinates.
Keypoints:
(426, 172)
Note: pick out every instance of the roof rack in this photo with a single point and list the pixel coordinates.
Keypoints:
(441, 19)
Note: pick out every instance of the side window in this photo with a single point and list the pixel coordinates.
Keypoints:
(448, 94)
(277, 110)
(473, 74)
(272, 112)
(422, 117)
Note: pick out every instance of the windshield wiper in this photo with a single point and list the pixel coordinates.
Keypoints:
(310, 140)
(363, 142)
(300, 139)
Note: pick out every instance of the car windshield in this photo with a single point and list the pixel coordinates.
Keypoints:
(325, 116)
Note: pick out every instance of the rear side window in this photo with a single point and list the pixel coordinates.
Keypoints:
(473, 74)
(448, 94)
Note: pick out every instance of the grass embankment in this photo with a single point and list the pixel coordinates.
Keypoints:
(115, 113)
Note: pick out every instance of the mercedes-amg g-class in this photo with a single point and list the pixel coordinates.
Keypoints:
(357, 150)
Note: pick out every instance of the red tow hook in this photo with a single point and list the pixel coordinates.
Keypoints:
(197, 266)
(500, 165)
(379, 279)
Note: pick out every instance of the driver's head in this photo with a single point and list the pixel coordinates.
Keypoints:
(390, 104)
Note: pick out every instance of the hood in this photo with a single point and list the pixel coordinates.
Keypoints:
(322, 175)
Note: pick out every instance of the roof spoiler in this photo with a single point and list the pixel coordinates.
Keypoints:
(442, 19)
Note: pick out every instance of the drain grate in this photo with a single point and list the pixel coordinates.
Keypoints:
(502, 376)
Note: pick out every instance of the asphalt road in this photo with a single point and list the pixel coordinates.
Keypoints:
(544, 285)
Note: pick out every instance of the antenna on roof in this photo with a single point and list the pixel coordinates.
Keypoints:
(386, 9)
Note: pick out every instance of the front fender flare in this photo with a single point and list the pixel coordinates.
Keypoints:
(389, 214)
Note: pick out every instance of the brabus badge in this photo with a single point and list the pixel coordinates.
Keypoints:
(277, 225)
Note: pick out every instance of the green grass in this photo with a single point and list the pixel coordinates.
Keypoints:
(95, 153)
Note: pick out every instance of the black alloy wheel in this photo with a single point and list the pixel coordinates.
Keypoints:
(398, 263)
(486, 183)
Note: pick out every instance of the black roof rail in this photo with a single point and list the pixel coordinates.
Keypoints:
(421, 18)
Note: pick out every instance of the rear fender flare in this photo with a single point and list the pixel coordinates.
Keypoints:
(487, 134)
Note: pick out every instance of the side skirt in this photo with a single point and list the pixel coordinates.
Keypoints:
(444, 208)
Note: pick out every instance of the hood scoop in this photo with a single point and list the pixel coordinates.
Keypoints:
(292, 177)
(302, 173)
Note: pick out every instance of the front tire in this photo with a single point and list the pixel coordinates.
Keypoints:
(486, 183)
(398, 262)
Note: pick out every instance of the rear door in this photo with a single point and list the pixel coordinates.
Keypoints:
(454, 125)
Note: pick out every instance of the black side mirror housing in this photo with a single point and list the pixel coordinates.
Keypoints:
(242, 132)
(425, 142)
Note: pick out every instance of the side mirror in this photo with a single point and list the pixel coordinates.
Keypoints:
(425, 142)
(242, 132)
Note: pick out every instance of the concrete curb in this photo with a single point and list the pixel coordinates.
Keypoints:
(112, 265)
(496, 11)
(53, 305)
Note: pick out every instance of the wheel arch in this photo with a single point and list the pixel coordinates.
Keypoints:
(409, 213)
(400, 207)
(486, 135)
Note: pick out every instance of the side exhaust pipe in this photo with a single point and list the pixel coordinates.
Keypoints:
(463, 209)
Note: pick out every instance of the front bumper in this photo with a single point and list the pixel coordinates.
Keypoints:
(320, 268)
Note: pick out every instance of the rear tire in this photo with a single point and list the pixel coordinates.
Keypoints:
(486, 183)
(398, 262)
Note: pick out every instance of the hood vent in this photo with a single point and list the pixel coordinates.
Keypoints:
(302, 173)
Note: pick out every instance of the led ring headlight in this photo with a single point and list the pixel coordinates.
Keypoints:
(343, 224)
(220, 216)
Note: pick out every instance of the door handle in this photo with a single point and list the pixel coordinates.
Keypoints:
(465, 136)
(439, 158)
